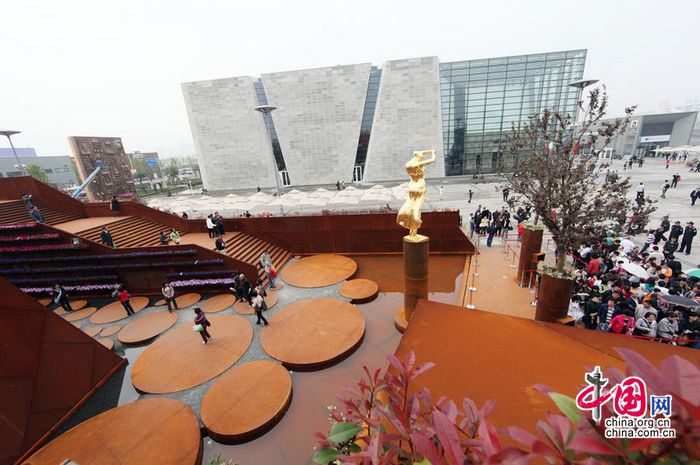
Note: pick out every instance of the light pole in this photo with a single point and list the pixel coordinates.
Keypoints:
(580, 85)
(267, 110)
(9, 135)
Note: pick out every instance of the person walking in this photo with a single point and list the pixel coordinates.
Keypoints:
(36, 215)
(441, 189)
(506, 193)
(164, 240)
(174, 236)
(246, 289)
(687, 241)
(694, 196)
(259, 306)
(106, 238)
(201, 323)
(114, 205)
(123, 295)
(210, 226)
(61, 298)
(665, 188)
(265, 261)
(640, 191)
(491, 231)
(674, 180)
(220, 245)
(471, 194)
(169, 296)
(272, 277)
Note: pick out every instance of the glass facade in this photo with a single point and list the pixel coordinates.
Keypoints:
(375, 76)
(276, 149)
(483, 99)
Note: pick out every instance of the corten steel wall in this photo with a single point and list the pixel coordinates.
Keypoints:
(15, 188)
(48, 369)
(361, 233)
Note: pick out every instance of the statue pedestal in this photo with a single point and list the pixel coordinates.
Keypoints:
(415, 272)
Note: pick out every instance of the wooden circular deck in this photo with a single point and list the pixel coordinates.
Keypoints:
(142, 432)
(180, 361)
(94, 331)
(183, 301)
(79, 314)
(45, 302)
(147, 327)
(277, 287)
(313, 333)
(108, 343)
(217, 303)
(78, 304)
(359, 289)
(247, 401)
(319, 270)
(115, 311)
(111, 330)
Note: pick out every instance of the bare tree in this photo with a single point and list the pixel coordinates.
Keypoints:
(563, 183)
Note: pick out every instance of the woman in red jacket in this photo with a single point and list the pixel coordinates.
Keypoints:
(123, 297)
(623, 324)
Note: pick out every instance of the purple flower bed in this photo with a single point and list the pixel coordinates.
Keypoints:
(203, 282)
(29, 237)
(200, 274)
(80, 258)
(67, 279)
(40, 248)
(76, 289)
(6, 227)
(122, 267)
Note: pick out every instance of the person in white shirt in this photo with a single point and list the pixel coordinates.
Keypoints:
(648, 241)
(644, 308)
(657, 255)
(211, 227)
(627, 245)
(640, 191)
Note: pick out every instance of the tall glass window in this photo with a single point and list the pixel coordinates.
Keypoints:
(375, 76)
(483, 99)
(276, 149)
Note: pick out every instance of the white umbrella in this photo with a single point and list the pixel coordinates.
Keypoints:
(285, 201)
(322, 193)
(344, 200)
(230, 196)
(261, 197)
(635, 269)
(316, 201)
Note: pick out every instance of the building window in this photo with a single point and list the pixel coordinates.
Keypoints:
(48, 170)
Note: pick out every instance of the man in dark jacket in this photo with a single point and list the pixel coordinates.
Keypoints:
(61, 298)
(670, 246)
(676, 230)
(688, 234)
(106, 237)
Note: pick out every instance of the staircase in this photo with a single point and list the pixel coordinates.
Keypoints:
(131, 231)
(247, 248)
(15, 211)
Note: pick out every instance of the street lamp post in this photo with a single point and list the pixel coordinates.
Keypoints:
(9, 135)
(580, 85)
(267, 110)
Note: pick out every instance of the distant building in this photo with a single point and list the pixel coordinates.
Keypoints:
(22, 152)
(647, 133)
(59, 170)
(359, 121)
(150, 159)
(115, 177)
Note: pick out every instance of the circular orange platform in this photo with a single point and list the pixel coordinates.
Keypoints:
(79, 314)
(146, 327)
(180, 361)
(111, 330)
(78, 304)
(145, 431)
(313, 333)
(108, 343)
(217, 303)
(187, 300)
(59, 311)
(115, 311)
(94, 331)
(319, 270)
(242, 308)
(276, 288)
(359, 289)
(246, 401)
(45, 302)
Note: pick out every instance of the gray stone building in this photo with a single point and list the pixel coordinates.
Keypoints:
(356, 122)
(59, 170)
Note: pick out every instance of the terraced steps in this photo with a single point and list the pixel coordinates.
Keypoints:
(131, 231)
(14, 211)
(247, 248)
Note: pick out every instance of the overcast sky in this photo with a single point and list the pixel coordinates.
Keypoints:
(100, 68)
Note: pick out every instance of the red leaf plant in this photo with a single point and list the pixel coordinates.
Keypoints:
(382, 424)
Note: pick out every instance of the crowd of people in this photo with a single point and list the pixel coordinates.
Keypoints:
(641, 291)
(497, 223)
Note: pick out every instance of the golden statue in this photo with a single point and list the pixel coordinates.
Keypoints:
(409, 214)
